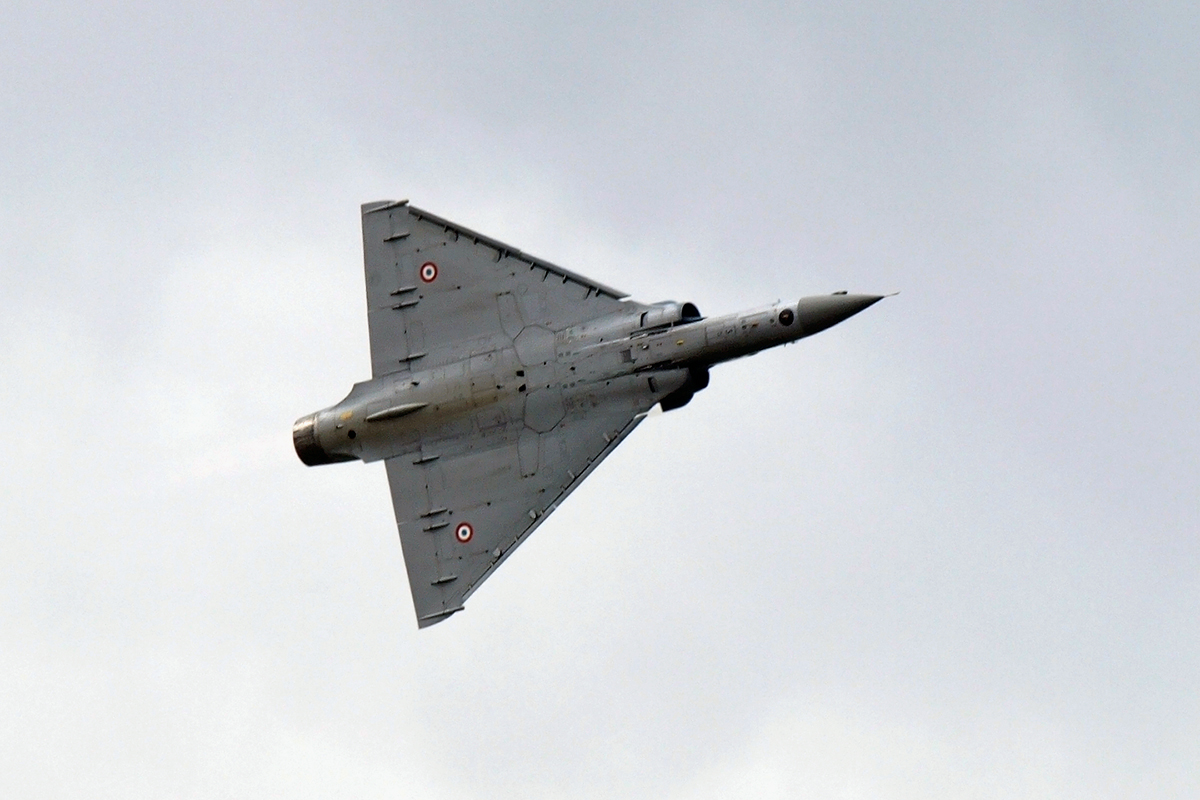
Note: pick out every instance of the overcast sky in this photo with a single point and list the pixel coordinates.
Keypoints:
(947, 549)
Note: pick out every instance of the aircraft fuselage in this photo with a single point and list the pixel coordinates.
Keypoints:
(541, 375)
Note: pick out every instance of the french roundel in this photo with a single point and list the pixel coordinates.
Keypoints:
(429, 272)
(464, 532)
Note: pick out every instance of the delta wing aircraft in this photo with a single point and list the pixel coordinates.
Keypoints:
(499, 382)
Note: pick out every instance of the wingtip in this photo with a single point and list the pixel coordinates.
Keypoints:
(436, 617)
(382, 205)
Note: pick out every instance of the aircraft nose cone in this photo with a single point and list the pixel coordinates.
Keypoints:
(815, 314)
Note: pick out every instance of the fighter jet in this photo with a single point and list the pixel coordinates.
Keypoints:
(500, 381)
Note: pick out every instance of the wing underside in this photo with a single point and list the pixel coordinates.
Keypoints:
(436, 290)
(461, 517)
(441, 297)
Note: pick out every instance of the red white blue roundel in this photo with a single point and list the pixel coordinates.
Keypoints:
(464, 532)
(429, 272)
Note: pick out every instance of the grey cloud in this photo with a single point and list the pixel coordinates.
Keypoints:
(947, 548)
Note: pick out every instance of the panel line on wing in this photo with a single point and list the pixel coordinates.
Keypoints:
(538, 516)
(508, 251)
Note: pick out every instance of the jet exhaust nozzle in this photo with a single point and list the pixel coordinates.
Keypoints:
(308, 447)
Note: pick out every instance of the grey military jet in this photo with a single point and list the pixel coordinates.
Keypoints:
(499, 382)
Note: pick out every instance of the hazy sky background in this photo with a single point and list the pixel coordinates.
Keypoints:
(946, 550)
